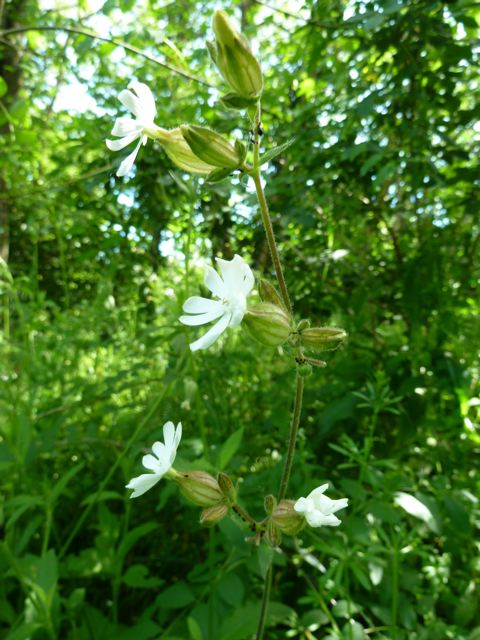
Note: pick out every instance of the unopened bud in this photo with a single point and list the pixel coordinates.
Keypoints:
(211, 147)
(234, 59)
(268, 323)
(226, 487)
(269, 502)
(303, 324)
(272, 534)
(286, 518)
(179, 152)
(200, 488)
(212, 515)
(304, 369)
(268, 293)
(322, 338)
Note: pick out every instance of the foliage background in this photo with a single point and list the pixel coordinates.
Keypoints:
(376, 212)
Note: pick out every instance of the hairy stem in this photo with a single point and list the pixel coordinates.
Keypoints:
(292, 438)
(244, 515)
(267, 223)
(263, 610)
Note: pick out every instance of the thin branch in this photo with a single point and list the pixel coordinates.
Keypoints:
(114, 41)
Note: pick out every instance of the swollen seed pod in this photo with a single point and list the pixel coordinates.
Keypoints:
(213, 515)
(268, 323)
(200, 488)
(179, 152)
(322, 338)
(211, 147)
(286, 518)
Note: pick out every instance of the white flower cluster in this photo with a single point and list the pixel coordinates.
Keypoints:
(230, 289)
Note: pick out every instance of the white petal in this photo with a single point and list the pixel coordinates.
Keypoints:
(147, 100)
(203, 318)
(318, 491)
(317, 519)
(127, 164)
(339, 504)
(158, 466)
(142, 483)
(213, 334)
(169, 435)
(303, 505)
(116, 145)
(197, 304)
(178, 435)
(160, 450)
(238, 307)
(126, 126)
(131, 102)
(215, 283)
(237, 275)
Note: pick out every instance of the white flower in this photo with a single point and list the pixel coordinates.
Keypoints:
(142, 105)
(232, 288)
(159, 463)
(318, 509)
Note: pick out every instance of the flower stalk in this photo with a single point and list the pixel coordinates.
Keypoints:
(297, 406)
(292, 438)
(267, 222)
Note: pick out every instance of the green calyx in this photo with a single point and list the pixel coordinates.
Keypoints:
(268, 323)
(213, 148)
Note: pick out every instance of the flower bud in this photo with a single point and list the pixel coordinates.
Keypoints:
(212, 515)
(268, 323)
(226, 487)
(302, 325)
(322, 338)
(234, 59)
(286, 518)
(268, 293)
(200, 488)
(273, 535)
(269, 502)
(211, 147)
(304, 369)
(179, 152)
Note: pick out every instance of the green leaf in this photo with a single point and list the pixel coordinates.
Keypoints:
(177, 596)
(229, 449)
(194, 629)
(353, 631)
(25, 137)
(276, 151)
(132, 536)
(231, 589)
(371, 162)
(64, 480)
(3, 87)
(265, 558)
(137, 576)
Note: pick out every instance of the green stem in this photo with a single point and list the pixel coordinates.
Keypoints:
(244, 515)
(267, 223)
(292, 438)
(265, 600)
